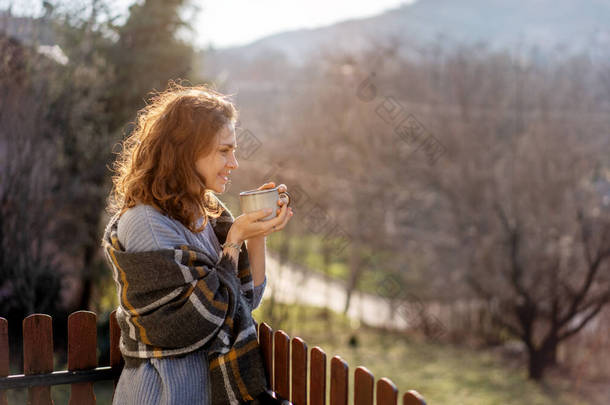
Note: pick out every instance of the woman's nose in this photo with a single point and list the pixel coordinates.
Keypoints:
(232, 163)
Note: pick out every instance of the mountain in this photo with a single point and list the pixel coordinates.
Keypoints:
(548, 25)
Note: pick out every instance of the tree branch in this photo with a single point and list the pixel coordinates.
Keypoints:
(582, 323)
(593, 266)
(514, 240)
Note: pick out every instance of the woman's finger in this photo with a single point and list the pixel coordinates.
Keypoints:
(281, 202)
(259, 214)
(277, 221)
(284, 199)
(282, 224)
(286, 219)
(282, 188)
(281, 213)
(266, 186)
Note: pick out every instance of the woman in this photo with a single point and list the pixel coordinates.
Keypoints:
(186, 284)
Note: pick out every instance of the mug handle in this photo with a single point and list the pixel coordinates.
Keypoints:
(285, 193)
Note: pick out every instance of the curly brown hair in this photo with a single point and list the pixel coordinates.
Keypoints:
(156, 165)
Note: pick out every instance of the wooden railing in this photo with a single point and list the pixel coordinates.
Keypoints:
(286, 364)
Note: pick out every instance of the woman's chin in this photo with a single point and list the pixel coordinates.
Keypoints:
(220, 188)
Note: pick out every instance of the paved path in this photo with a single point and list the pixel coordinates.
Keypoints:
(294, 284)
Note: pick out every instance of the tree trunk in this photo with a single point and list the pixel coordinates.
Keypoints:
(540, 359)
(355, 270)
(536, 365)
(553, 355)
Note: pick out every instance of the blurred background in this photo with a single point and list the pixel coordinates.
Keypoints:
(449, 163)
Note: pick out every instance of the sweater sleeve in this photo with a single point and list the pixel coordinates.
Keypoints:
(258, 293)
(142, 229)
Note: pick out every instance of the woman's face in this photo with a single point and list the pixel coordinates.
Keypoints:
(216, 167)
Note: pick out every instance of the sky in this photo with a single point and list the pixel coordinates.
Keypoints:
(225, 23)
(238, 22)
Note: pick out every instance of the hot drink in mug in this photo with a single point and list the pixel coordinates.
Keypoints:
(254, 200)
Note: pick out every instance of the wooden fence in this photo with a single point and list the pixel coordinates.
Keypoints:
(286, 364)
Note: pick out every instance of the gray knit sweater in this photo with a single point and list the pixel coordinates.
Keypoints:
(143, 228)
(171, 380)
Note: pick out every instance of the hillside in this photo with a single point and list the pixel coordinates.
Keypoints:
(550, 26)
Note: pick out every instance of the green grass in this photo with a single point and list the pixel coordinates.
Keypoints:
(443, 373)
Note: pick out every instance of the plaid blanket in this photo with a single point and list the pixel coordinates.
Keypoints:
(174, 301)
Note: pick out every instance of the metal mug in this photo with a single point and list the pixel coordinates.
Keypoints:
(254, 200)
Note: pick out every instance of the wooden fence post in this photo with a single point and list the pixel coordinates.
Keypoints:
(285, 360)
(265, 340)
(38, 354)
(299, 372)
(281, 349)
(116, 358)
(338, 381)
(387, 393)
(364, 383)
(4, 353)
(82, 354)
(413, 397)
(317, 377)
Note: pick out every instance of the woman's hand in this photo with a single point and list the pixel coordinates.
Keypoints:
(248, 226)
(281, 189)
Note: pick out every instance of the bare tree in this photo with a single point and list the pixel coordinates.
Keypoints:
(522, 189)
(509, 216)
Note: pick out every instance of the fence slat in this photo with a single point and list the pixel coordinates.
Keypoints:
(82, 354)
(4, 353)
(281, 349)
(116, 358)
(364, 384)
(317, 377)
(338, 381)
(285, 365)
(17, 381)
(387, 393)
(299, 371)
(265, 340)
(413, 397)
(38, 354)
